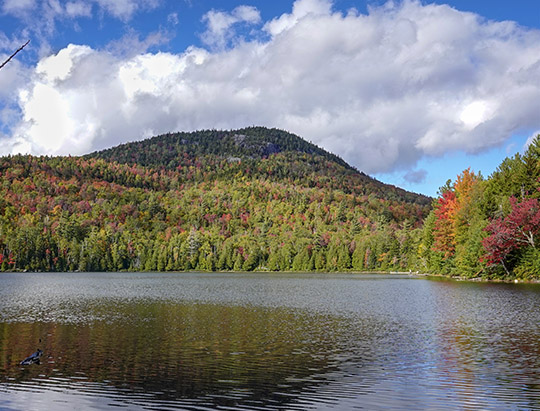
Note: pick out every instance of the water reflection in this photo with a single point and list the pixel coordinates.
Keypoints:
(195, 341)
(218, 354)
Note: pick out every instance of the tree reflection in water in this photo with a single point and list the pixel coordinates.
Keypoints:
(317, 341)
(223, 355)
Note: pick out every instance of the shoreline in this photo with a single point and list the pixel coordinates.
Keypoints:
(414, 274)
(477, 279)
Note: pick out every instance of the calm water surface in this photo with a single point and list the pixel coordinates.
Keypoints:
(267, 341)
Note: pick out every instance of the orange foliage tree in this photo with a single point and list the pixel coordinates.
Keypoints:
(452, 211)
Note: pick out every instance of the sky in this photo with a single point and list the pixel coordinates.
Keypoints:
(410, 92)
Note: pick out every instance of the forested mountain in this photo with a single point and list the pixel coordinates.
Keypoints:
(250, 199)
(292, 159)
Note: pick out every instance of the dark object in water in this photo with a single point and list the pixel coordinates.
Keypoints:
(33, 359)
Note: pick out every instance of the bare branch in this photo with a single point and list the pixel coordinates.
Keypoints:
(13, 55)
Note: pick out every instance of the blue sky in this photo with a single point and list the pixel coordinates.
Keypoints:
(411, 92)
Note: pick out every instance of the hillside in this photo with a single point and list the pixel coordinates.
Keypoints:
(250, 199)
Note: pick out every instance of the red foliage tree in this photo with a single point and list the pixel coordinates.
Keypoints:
(518, 229)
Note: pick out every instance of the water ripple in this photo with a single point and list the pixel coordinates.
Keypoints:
(220, 341)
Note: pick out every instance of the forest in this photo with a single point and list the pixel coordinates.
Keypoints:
(251, 199)
(487, 227)
(260, 199)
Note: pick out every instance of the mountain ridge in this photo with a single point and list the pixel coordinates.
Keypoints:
(249, 143)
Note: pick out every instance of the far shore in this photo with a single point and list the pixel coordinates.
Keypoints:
(416, 274)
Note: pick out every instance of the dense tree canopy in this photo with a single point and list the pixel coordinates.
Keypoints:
(260, 199)
(253, 199)
(488, 227)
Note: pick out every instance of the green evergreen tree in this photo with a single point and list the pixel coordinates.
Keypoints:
(239, 263)
(344, 259)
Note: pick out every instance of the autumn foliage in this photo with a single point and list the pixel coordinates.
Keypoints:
(252, 199)
(487, 227)
(451, 211)
(517, 230)
(444, 234)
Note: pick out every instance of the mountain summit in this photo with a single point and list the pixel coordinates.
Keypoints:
(251, 142)
(261, 148)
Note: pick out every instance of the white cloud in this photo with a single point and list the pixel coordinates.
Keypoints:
(172, 18)
(38, 20)
(78, 9)
(37, 13)
(475, 113)
(247, 14)
(219, 24)
(122, 9)
(125, 9)
(9, 45)
(381, 90)
(17, 6)
(131, 44)
(58, 67)
(301, 9)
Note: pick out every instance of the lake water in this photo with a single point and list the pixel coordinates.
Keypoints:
(267, 341)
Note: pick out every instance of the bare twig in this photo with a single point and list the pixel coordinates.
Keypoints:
(13, 55)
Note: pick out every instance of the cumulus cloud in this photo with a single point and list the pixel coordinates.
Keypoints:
(14, 77)
(382, 90)
(301, 9)
(219, 25)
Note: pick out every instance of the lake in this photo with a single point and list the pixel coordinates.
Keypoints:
(202, 341)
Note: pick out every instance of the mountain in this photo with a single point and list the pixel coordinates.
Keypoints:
(249, 199)
(252, 142)
(259, 152)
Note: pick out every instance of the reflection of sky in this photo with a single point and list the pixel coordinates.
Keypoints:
(316, 341)
(59, 398)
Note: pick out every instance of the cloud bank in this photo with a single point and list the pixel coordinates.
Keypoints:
(381, 90)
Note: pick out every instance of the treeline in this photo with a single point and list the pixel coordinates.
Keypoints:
(286, 211)
(487, 227)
